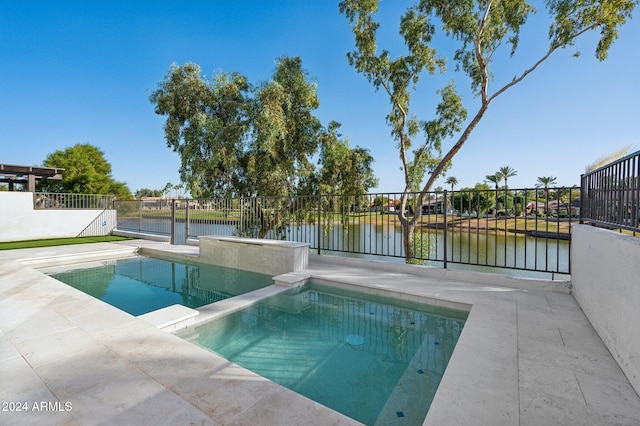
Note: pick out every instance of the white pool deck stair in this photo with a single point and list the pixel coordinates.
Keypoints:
(527, 354)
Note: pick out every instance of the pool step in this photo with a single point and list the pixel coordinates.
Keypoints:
(171, 318)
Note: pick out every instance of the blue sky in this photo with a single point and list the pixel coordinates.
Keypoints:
(82, 71)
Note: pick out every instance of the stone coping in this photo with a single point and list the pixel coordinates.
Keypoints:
(257, 241)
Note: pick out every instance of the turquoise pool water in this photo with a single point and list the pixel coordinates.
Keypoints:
(376, 360)
(139, 285)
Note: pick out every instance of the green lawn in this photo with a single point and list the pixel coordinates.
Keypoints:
(58, 242)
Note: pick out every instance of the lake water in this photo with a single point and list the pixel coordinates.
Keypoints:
(511, 253)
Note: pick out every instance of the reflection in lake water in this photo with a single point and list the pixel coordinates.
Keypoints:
(465, 250)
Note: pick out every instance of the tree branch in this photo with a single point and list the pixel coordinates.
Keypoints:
(403, 147)
(539, 62)
(478, 50)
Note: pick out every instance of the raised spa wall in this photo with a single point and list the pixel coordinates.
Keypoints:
(255, 255)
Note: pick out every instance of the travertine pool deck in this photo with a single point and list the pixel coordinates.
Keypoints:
(527, 354)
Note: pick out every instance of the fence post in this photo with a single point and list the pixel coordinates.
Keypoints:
(318, 232)
(186, 221)
(173, 222)
(583, 204)
(241, 215)
(445, 229)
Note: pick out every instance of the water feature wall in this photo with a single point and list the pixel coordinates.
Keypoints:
(606, 284)
(256, 255)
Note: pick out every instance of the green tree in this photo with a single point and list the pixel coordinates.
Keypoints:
(479, 31)
(453, 181)
(482, 199)
(546, 182)
(380, 202)
(238, 140)
(178, 187)
(146, 192)
(477, 199)
(344, 170)
(285, 133)
(506, 172)
(206, 124)
(86, 171)
(166, 190)
(495, 179)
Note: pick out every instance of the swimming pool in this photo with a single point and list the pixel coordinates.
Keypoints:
(141, 284)
(376, 360)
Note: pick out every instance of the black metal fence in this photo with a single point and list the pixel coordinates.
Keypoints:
(523, 229)
(610, 195)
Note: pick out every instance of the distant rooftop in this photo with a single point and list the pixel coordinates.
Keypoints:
(12, 174)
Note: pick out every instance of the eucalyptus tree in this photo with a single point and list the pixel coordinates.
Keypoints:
(344, 170)
(239, 140)
(480, 31)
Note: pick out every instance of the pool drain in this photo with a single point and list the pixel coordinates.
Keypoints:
(354, 340)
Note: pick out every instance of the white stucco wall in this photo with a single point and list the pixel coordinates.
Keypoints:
(605, 273)
(20, 222)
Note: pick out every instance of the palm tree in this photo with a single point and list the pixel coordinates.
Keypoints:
(452, 180)
(177, 187)
(495, 178)
(167, 189)
(506, 173)
(546, 182)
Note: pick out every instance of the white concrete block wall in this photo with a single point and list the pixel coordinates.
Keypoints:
(263, 256)
(605, 273)
(19, 221)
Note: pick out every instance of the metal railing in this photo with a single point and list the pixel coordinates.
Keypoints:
(154, 217)
(54, 200)
(610, 195)
(523, 229)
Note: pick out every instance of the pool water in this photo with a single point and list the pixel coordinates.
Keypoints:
(139, 284)
(376, 361)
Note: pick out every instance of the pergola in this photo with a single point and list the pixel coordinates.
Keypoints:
(12, 174)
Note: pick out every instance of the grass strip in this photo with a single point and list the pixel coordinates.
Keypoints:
(12, 245)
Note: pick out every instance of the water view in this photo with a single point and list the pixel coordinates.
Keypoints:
(466, 249)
